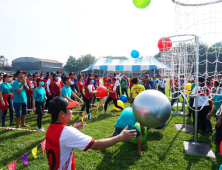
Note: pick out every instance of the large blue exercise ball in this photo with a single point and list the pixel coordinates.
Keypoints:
(135, 54)
(151, 108)
(123, 98)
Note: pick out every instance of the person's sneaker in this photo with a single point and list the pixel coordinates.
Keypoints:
(104, 113)
(3, 126)
(11, 124)
(41, 130)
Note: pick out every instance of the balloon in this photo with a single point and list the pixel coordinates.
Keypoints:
(103, 93)
(135, 54)
(123, 98)
(119, 103)
(151, 108)
(141, 3)
(165, 44)
(161, 127)
(137, 125)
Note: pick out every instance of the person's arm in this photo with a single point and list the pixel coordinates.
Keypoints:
(142, 129)
(69, 99)
(2, 101)
(33, 104)
(125, 135)
(47, 86)
(91, 91)
(131, 96)
(211, 113)
(76, 97)
(153, 86)
(218, 123)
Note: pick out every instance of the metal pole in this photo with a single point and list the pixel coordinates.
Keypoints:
(196, 99)
(184, 86)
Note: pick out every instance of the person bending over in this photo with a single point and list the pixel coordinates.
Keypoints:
(112, 96)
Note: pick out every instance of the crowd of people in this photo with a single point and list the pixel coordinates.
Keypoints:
(57, 93)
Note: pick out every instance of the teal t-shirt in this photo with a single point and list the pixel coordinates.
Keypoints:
(124, 85)
(217, 101)
(6, 88)
(126, 119)
(19, 97)
(39, 94)
(66, 91)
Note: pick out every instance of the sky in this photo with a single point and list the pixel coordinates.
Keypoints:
(56, 29)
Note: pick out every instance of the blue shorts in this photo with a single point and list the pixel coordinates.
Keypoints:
(119, 130)
(20, 109)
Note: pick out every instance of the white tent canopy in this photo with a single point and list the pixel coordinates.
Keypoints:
(132, 65)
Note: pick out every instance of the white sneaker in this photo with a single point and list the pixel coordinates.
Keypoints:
(37, 129)
(41, 130)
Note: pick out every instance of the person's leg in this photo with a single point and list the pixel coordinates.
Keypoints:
(191, 105)
(218, 134)
(164, 91)
(4, 113)
(106, 104)
(87, 105)
(203, 115)
(24, 112)
(122, 91)
(115, 103)
(139, 142)
(83, 107)
(173, 97)
(117, 91)
(1, 115)
(11, 110)
(29, 103)
(18, 113)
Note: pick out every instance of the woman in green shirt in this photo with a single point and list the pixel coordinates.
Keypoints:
(124, 86)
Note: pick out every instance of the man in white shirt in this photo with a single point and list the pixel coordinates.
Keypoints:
(61, 140)
(162, 84)
(118, 78)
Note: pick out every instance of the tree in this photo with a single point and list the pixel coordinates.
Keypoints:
(74, 65)
(120, 58)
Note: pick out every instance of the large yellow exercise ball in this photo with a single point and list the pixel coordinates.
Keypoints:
(119, 103)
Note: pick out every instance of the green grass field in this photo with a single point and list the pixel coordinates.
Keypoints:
(163, 148)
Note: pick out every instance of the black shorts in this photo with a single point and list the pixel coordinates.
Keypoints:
(119, 130)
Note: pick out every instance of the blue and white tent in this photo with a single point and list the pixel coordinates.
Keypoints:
(132, 65)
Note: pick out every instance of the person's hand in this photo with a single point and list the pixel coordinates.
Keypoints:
(45, 98)
(82, 102)
(98, 91)
(3, 103)
(34, 109)
(49, 94)
(23, 82)
(107, 90)
(218, 123)
(128, 134)
(80, 125)
(209, 116)
(78, 94)
(143, 133)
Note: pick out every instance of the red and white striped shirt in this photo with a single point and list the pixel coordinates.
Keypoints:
(60, 142)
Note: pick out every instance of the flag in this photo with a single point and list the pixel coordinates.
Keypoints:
(74, 124)
(11, 166)
(34, 152)
(82, 119)
(25, 159)
(78, 121)
(43, 145)
(89, 115)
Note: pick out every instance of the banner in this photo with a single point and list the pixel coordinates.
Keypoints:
(34, 152)
(43, 145)
(11, 166)
(25, 159)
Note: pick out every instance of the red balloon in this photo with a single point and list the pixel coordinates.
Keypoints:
(103, 93)
(164, 46)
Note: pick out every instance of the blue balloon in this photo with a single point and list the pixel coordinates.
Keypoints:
(135, 54)
(161, 127)
(123, 98)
